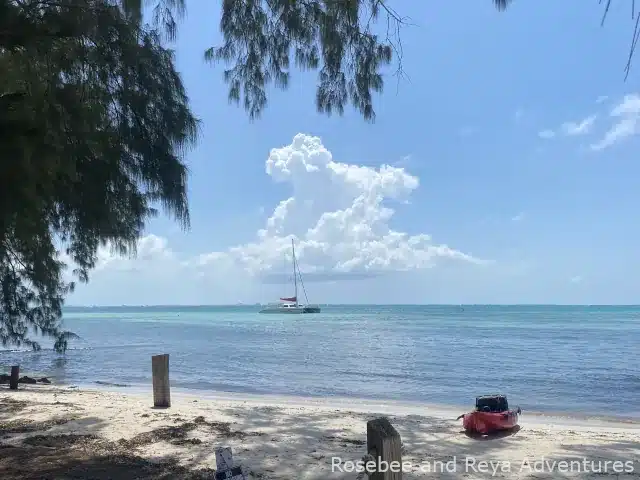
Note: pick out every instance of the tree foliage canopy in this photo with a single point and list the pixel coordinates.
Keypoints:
(335, 36)
(94, 120)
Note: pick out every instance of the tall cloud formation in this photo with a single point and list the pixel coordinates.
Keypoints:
(337, 215)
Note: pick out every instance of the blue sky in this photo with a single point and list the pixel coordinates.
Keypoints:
(526, 218)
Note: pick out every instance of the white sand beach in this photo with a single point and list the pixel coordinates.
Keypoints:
(62, 432)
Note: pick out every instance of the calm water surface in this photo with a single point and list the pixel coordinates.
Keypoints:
(547, 358)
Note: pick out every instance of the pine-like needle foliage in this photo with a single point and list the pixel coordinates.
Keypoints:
(94, 121)
(261, 38)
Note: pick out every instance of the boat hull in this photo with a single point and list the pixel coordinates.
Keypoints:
(292, 310)
(489, 422)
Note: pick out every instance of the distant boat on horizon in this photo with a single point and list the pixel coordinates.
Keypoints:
(290, 304)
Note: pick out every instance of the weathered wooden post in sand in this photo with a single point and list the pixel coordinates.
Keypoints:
(385, 446)
(161, 388)
(15, 376)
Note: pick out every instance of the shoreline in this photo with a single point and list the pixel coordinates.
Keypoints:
(576, 417)
(51, 429)
(360, 404)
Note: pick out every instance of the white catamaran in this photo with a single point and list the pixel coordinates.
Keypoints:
(290, 304)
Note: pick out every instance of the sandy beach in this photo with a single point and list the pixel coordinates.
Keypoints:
(62, 432)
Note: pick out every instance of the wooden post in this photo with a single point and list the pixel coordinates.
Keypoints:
(15, 375)
(385, 445)
(161, 388)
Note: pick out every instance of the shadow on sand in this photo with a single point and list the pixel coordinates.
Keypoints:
(494, 435)
(272, 442)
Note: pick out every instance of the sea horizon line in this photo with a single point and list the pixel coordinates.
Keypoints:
(246, 304)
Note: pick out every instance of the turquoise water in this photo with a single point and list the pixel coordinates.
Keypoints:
(546, 358)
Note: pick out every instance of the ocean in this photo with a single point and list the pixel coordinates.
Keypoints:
(579, 359)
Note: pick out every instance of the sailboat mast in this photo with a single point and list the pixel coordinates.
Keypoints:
(295, 277)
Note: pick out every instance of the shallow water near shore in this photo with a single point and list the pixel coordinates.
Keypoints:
(580, 359)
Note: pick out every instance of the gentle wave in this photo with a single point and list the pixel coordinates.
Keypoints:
(547, 358)
(111, 384)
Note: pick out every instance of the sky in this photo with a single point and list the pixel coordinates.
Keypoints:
(502, 169)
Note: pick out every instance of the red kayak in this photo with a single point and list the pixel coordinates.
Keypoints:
(492, 414)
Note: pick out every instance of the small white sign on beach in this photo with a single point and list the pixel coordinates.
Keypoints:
(224, 466)
(224, 458)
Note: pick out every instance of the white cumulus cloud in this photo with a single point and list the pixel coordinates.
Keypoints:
(150, 249)
(581, 127)
(338, 215)
(571, 129)
(626, 117)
